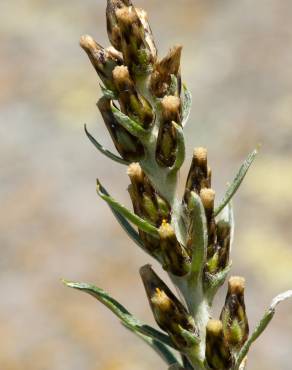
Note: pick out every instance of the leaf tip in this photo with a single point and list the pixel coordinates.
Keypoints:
(67, 283)
(98, 186)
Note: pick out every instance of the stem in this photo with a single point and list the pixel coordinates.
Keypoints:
(200, 312)
(199, 308)
(165, 182)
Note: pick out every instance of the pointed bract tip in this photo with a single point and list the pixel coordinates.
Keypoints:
(177, 48)
(145, 268)
(142, 14)
(174, 56)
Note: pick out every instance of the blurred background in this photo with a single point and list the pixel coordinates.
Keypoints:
(237, 62)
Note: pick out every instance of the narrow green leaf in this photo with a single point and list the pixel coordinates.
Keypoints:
(155, 334)
(104, 151)
(186, 104)
(186, 363)
(199, 236)
(127, 227)
(161, 349)
(180, 150)
(120, 311)
(109, 94)
(131, 126)
(269, 314)
(136, 220)
(164, 352)
(236, 182)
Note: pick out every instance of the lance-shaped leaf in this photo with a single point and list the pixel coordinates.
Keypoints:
(127, 227)
(166, 353)
(236, 182)
(136, 220)
(130, 125)
(186, 105)
(262, 325)
(186, 364)
(199, 237)
(120, 311)
(104, 151)
(161, 349)
(180, 148)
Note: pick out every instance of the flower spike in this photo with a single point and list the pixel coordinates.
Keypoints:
(145, 107)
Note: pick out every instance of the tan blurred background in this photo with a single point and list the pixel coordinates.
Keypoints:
(237, 62)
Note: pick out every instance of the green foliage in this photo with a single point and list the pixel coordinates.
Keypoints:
(104, 151)
(123, 211)
(233, 187)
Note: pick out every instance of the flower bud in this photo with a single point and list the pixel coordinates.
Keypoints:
(223, 242)
(208, 197)
(147, 204)
(233, 315)
(167, 136)
(217, 352)
(175, 257)
(129, 147)
(163, 70)
(169, 313)
(132, 103)
(103, 60)
(150, 205)
(113, 29)
(199, 176)
(218, 255)
(148, 36)
(136, 41)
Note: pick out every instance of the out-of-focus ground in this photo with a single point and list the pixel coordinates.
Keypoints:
(237, 62)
